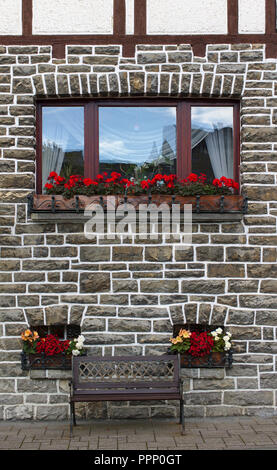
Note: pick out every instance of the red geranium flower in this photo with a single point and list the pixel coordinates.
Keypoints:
(193, 178)
(200, 344)
(53, 174)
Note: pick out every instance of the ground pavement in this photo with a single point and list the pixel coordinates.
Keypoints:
(243, 433)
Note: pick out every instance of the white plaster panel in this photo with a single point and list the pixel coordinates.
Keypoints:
(72, 16)
(251, 16)
(130, 6)
(186, 16)
(10, 17)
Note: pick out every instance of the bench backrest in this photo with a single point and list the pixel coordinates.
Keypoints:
(133, 372)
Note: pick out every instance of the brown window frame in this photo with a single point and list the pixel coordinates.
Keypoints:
(91, 127)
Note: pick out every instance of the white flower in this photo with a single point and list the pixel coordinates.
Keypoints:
(226, 338)
(213, 333)
(219, 331)
(75, 352)
(216, 338)
(81, 339)
(229, 334)
(227, 346)
(79, 345)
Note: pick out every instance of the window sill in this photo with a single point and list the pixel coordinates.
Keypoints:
(64, 217)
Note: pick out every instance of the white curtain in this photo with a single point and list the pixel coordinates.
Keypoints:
(220, 148)
(63, 130)
(52, 160)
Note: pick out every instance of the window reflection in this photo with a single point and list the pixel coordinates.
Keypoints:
(137, 141)
(212, 141)
(62, 141)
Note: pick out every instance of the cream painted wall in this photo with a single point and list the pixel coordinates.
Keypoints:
(251, 16)
(187, 16)
(129, 16)
(10, 17)
(72, 16)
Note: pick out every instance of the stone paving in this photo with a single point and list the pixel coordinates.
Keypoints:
(244, 433)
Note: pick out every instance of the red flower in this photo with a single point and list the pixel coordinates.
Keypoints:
(51, 345)
(115, 175)
(49, 186)
(145, 184)
(202, 178)
(217, 182)
(200, 344)
(193, 178)
(59, 179)
(87, 181)
(53, 174)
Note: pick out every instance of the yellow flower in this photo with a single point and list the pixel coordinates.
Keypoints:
(184, 333)
(178, 339)
(27, 335)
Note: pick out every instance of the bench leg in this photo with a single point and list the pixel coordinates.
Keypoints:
(182, 417)
(72, 417)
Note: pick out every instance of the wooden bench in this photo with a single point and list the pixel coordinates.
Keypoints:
(118, 378)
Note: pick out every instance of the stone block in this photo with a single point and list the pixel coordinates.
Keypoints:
(56, 314)
(159, 286)
(94, 282)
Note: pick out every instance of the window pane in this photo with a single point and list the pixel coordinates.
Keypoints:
(212, 141)
(62, 141)
(137, 141)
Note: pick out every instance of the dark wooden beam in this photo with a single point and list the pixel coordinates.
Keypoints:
(270, 16)
(140, 17)
(233, 16)
(119, 17)
(270, 27)
(27, 17)
(58, 50)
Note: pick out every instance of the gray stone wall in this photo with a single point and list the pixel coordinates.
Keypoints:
(125, 293)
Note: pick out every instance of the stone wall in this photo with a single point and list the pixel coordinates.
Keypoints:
(126, 294)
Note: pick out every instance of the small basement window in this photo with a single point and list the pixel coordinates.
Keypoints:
(63, 332)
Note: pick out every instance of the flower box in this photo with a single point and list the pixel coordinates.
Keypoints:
(214, 359)
(49, 352)
(201, 345)
(206, 203)
(42, 362)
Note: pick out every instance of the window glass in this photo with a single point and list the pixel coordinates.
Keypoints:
(62, 141)
(212, 141)
(137, 141)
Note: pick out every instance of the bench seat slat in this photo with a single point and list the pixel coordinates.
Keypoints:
(128, 385)
(127, 391)
(128, 397)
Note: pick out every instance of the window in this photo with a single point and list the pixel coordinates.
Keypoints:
(62, 332)
(138, 138)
